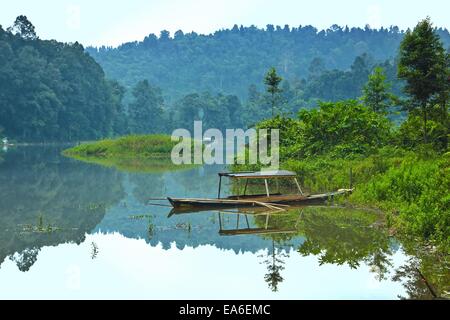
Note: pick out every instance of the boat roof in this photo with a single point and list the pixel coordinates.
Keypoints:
(259, 174)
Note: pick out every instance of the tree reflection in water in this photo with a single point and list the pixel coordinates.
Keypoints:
(275, 264)
(425, 275)
(25, 259)
(341, 236)
(335, 235)
(47, 200)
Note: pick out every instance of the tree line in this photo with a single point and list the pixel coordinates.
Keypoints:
(230, 60)
(52, 91)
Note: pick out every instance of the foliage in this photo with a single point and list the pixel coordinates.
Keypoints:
(342, 129)
(376, 93)
(410, 137)
(417, 190)
(146, 109)
(51, 90)
(410, 186)
(290, 133)
(23, 27)
(272, 82)
(425, 66)
(219, 111)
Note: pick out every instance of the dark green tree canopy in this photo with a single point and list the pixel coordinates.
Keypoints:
(51, 90)
(423, 62)
(23, 27)
(146, 110)
(424, 65)
(272, 82)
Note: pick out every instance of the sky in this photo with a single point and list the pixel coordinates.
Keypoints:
(110, 23)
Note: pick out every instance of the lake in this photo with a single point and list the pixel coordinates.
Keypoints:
(70, 229)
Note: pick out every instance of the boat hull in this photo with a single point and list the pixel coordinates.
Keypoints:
(250, 201)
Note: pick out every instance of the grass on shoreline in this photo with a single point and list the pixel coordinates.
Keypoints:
(134, 153)
(127, 146)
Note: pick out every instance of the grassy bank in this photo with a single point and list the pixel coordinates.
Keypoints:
(135, 153)
(127, 146)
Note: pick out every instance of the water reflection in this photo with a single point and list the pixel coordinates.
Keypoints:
(46, 200)
(58, 214)
(335, 235)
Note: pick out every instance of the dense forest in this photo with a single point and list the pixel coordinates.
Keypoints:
(52, 91)
(231, 60)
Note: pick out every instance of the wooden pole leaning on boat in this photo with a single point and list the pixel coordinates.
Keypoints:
(267, 188)
(298, 186)
(273, 206)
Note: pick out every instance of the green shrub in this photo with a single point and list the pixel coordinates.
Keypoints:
(418, 191)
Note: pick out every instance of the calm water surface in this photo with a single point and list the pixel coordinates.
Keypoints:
(75, 230)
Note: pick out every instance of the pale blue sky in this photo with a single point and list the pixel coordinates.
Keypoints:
(106, 22)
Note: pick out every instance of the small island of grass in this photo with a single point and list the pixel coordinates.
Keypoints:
(155, 146)
(133, 153)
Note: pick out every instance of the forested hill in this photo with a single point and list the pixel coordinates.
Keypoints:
(52, 91)
(231, 60)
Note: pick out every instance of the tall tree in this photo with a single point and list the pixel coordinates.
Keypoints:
(23, 27)
(376, 92)
(272, 82)
(424, 65)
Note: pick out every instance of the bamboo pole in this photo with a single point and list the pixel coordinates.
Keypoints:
(158, 204)
(267, 187)
(298, 186)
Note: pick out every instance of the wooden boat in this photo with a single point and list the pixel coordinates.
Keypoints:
(271, 201)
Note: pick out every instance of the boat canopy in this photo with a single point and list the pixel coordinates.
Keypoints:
(259, 174)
